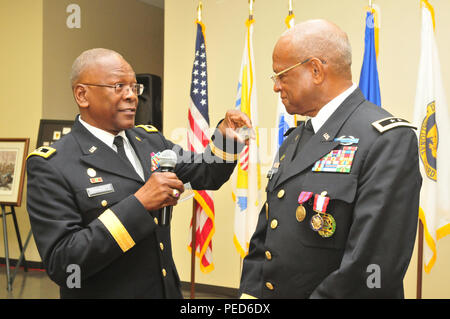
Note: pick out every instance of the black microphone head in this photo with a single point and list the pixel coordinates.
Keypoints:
(168, 158)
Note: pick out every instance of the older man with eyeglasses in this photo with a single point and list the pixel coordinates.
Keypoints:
(343, 193)
(95, 196)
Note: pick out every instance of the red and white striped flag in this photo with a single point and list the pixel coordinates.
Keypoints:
(197, 141)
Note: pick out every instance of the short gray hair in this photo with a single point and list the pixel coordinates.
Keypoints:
(86, 59)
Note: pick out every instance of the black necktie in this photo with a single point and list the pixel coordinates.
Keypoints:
(307, 133)
(118, 142)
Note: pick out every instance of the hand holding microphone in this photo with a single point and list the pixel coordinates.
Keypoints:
(163, 189)
(168, 160)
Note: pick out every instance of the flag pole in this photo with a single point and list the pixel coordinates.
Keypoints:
(419, 262)
(291, 12)
(194, 206)
(193, 248)
(250, 12)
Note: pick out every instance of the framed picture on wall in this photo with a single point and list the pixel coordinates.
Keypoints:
(52, 130)
(13, 153)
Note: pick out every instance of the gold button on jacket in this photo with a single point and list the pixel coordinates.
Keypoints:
(274, 224)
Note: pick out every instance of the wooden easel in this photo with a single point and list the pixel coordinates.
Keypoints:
(9, 278)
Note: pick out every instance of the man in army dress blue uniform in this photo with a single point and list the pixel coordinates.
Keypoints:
(342, 197)
(94, 196)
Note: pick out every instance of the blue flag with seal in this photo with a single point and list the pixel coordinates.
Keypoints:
(368, 81)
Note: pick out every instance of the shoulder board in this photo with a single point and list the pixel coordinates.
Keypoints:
(43, 151)
(289, 130)
(148, 128)
(388, 123)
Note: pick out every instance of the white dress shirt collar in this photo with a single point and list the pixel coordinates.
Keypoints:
(103, 135)
(328, 109)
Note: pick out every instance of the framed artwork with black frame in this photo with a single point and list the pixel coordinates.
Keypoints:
(13, 154)
(52, 130)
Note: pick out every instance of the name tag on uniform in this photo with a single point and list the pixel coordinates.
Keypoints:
(100, 190)
(337, 161)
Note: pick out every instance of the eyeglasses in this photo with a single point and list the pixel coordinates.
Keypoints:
(120, 88)
(276, 77)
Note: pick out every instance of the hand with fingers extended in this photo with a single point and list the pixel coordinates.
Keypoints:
(161, 189)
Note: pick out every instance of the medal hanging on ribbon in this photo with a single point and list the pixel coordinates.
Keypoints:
(323, 222)
(320, 206)
(329, 226)
(300, 212)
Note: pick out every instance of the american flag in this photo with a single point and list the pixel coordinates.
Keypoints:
(198, 140)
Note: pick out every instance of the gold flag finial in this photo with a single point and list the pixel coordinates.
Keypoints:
(199, 11)
(250, 14)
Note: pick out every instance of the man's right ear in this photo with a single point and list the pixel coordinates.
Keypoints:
(80, 92)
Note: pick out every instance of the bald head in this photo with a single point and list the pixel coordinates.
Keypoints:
(87, 59)
(312, 62)
(321, 39)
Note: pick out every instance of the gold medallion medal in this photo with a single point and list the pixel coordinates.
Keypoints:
(300, 213)
(316, 222)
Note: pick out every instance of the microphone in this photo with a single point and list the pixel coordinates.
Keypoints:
(168, 160)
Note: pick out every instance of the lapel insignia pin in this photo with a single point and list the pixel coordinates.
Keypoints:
(92, 149)
(326, 136)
